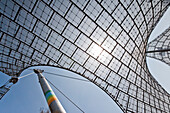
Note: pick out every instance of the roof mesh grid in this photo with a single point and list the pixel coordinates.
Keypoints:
(102, 40)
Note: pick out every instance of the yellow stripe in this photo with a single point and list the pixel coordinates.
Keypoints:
(51, 100)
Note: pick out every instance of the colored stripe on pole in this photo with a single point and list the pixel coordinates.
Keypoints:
(50, 97)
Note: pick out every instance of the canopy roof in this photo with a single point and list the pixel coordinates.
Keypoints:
(159, 48)
(102, 40)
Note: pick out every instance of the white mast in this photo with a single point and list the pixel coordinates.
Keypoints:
(53, 103)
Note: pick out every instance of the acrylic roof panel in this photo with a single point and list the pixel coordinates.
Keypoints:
(102, 40)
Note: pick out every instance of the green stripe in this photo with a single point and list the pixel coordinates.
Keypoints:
(50, 97)
(47, 92)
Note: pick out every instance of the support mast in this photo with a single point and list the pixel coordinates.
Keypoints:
(53, 103)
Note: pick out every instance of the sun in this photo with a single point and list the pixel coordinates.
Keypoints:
(94, 50)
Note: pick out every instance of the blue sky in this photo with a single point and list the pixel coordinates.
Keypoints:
(26, 96)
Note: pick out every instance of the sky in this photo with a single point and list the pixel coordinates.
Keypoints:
(27, 97)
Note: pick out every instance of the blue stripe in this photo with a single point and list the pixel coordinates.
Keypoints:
(48, 94)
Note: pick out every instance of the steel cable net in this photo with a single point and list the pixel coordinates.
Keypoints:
(162, 42)
(103, 40)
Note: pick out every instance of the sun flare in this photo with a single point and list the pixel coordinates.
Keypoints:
(95, 50)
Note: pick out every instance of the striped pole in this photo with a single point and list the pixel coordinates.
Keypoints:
(53, 103)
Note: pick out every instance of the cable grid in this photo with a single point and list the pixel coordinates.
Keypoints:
(102, 40)
(162, 42)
